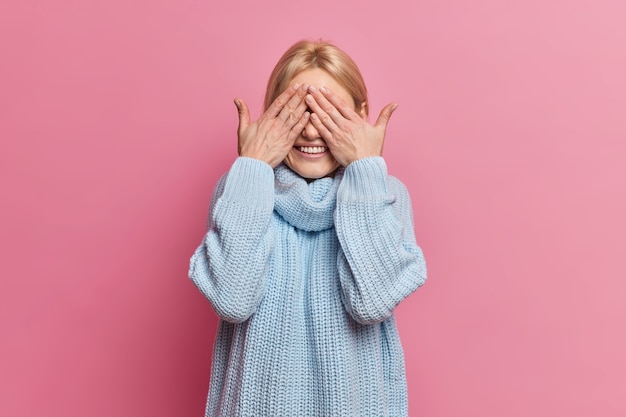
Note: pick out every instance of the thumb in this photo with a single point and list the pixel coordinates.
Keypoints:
(244, 114)
(385, 115)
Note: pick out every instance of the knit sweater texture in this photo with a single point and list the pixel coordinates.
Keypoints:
(305, 278)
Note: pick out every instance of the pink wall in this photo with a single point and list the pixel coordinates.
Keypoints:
(117, 119)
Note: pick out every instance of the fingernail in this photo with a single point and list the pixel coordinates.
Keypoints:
(295, 86)
(312, 89)
(394, 107)
(323, 90)
(305, 87)
(309, 98)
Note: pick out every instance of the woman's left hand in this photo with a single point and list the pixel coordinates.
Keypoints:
(348, 135)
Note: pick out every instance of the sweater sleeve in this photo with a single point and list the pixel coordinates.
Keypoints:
(230, 265)
(379, 260)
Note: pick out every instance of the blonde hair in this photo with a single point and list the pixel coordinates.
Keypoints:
(306, 54)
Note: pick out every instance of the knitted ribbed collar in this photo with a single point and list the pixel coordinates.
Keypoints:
(306, 206)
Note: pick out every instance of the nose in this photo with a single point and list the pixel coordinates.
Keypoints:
(310, 132)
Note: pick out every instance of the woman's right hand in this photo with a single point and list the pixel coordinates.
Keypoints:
(272, 136)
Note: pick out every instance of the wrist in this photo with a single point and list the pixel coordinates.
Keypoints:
(262, 158)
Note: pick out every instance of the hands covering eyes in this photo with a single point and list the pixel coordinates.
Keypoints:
(348, 135)
(272, 136)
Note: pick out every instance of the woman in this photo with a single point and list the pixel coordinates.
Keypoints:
(309, 249)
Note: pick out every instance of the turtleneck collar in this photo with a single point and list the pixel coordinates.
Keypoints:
(306, 206)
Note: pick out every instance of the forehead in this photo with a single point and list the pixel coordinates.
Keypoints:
(319, 78)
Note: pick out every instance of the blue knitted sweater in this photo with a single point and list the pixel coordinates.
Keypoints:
(305, 278)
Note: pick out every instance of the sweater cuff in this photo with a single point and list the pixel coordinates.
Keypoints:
(363, 179)
(250, 182)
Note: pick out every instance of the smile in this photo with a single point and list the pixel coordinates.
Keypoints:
(312, 149)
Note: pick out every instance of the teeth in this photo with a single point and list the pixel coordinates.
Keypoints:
(312, 149)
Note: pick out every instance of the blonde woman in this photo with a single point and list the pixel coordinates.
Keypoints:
(309, 249)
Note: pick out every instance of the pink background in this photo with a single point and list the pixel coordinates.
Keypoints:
(117, 120)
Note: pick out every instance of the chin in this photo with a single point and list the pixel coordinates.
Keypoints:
(311, 173)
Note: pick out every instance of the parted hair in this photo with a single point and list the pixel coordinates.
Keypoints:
(308, 54)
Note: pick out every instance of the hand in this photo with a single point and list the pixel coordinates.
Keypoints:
(348, 135)
(272, 136)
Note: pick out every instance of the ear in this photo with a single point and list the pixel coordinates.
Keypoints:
(362, 110)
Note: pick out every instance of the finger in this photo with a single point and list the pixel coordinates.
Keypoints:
(298, 127)
(280, 101)
(320, 113)
(244, 114)
(385, 115)
(345, 109)
(295, 107)
(321, 128)
(328, 107)
(296, 116)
